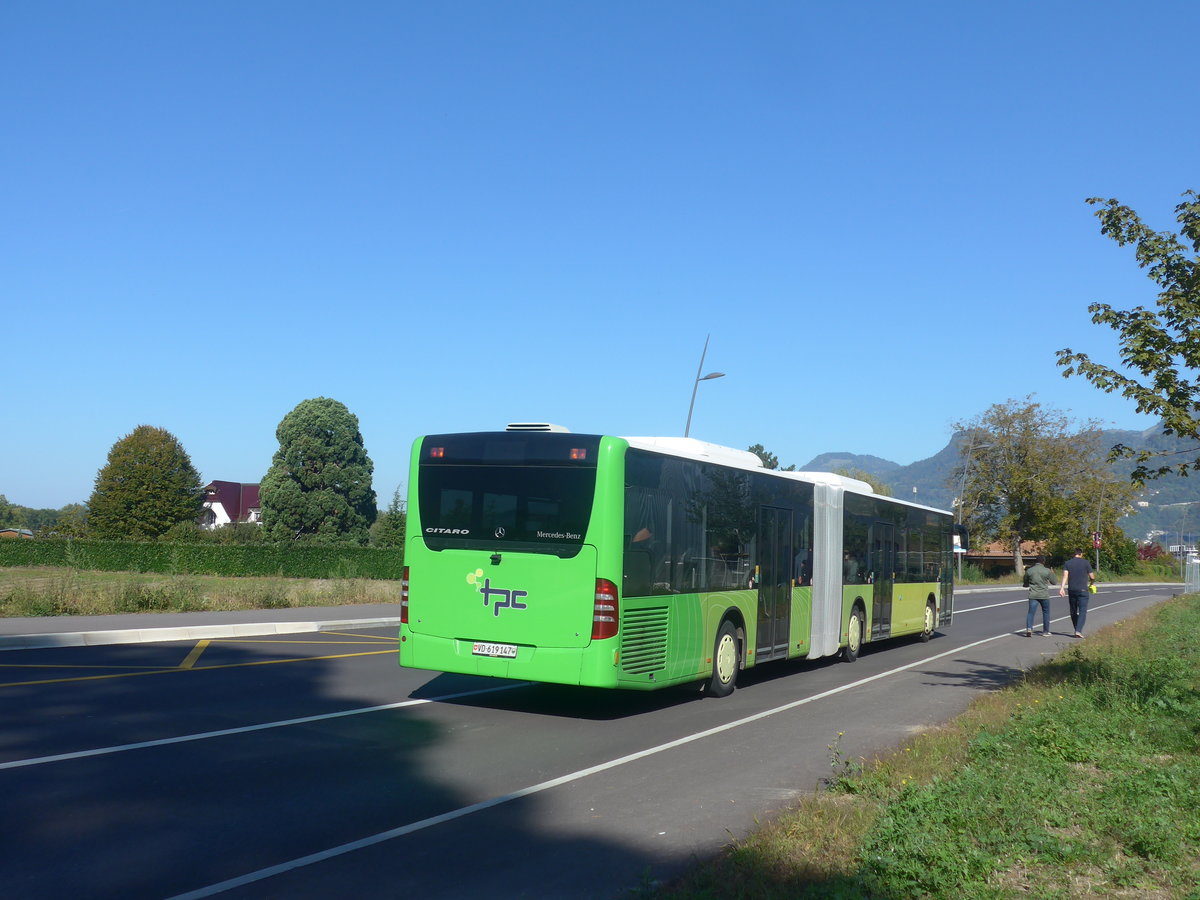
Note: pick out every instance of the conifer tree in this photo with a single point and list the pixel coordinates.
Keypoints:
(319, 485)
(388, 530)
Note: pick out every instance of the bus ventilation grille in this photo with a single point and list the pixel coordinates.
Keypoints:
(644, 640)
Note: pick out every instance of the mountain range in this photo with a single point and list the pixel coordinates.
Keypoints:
(1168, 505)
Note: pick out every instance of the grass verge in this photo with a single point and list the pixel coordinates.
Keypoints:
(1083, 781)
(44, 591)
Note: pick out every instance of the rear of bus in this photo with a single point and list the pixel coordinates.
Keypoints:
(511, 560)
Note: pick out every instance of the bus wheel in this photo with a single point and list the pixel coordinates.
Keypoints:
(930, 621)
(725, 661)
(854, 634)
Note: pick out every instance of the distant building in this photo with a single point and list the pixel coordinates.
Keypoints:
(230, 503)
(15, 533)
(996, 559)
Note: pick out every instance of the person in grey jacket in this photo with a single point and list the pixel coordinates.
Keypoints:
(1039, 579)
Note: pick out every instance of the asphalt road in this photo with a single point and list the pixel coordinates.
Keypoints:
(307, 764)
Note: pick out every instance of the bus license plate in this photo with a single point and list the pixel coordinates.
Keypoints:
(504, 651)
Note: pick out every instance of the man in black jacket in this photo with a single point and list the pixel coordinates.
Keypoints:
(1077, 576)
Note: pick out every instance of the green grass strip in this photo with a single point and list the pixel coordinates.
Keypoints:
(1081, 781)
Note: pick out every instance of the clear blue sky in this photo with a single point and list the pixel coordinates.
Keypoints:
(449, 216)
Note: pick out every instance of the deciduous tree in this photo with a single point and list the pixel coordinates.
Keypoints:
(319, 484)
(1032, 474)
(71, 521)
(1160, 347)
(9, 514)
(884, 490)
(147, 486)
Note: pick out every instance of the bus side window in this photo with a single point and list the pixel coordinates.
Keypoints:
(638, 567)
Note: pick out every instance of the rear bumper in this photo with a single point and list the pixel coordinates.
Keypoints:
(593, 665)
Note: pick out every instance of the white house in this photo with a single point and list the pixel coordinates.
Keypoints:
(230, 503)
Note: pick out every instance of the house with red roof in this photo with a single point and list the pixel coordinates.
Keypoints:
(230, 503)
(996, 559)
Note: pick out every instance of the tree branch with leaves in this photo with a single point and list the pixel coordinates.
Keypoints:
(1161, 346)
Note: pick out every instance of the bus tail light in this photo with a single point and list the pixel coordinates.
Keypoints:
(404, 596)
(605, 613)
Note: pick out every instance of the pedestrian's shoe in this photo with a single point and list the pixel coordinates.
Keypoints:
(1077, 634)
(1028, 633)
(1046, 634)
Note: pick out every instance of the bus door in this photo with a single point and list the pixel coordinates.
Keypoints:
(774, 582)
(882, 569)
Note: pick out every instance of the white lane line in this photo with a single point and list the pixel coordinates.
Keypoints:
(245, 729)
(958, 611)
(381, 837)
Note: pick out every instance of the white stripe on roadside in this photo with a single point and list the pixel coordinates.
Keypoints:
(246, 729)
(959, 612)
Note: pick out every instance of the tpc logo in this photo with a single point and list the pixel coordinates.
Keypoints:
(497, 598)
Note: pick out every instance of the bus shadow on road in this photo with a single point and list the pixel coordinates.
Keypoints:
(572, 701)
(560, 700)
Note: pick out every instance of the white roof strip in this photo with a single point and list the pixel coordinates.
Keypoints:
(694, 449)
(691, 448)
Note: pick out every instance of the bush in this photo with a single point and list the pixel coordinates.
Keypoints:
(237, 533)
(1119, 555)
(288, 560)
(1160, 569)
(972, 574)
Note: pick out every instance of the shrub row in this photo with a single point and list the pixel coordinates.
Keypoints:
(287, 560)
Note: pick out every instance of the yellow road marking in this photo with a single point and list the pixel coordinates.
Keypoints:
(264, 662)
(190, 659)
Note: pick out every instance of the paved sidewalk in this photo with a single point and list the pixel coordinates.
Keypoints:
(87, 631)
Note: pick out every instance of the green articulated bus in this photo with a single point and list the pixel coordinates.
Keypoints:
(538, 554)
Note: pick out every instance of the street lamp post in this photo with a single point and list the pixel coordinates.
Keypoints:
(699, 378)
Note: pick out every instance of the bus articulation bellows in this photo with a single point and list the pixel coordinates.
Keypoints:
(538, 554)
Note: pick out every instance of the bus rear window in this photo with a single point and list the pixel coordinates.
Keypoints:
(503, 493)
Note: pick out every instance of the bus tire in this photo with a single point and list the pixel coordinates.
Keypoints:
(726, 661)
(854, 634)
(930, 622)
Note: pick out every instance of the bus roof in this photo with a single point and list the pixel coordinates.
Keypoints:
(693, 448)
(743, 459)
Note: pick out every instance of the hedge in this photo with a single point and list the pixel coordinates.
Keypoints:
(288, 560)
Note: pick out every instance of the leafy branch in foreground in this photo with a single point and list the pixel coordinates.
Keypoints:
(1161, 346)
